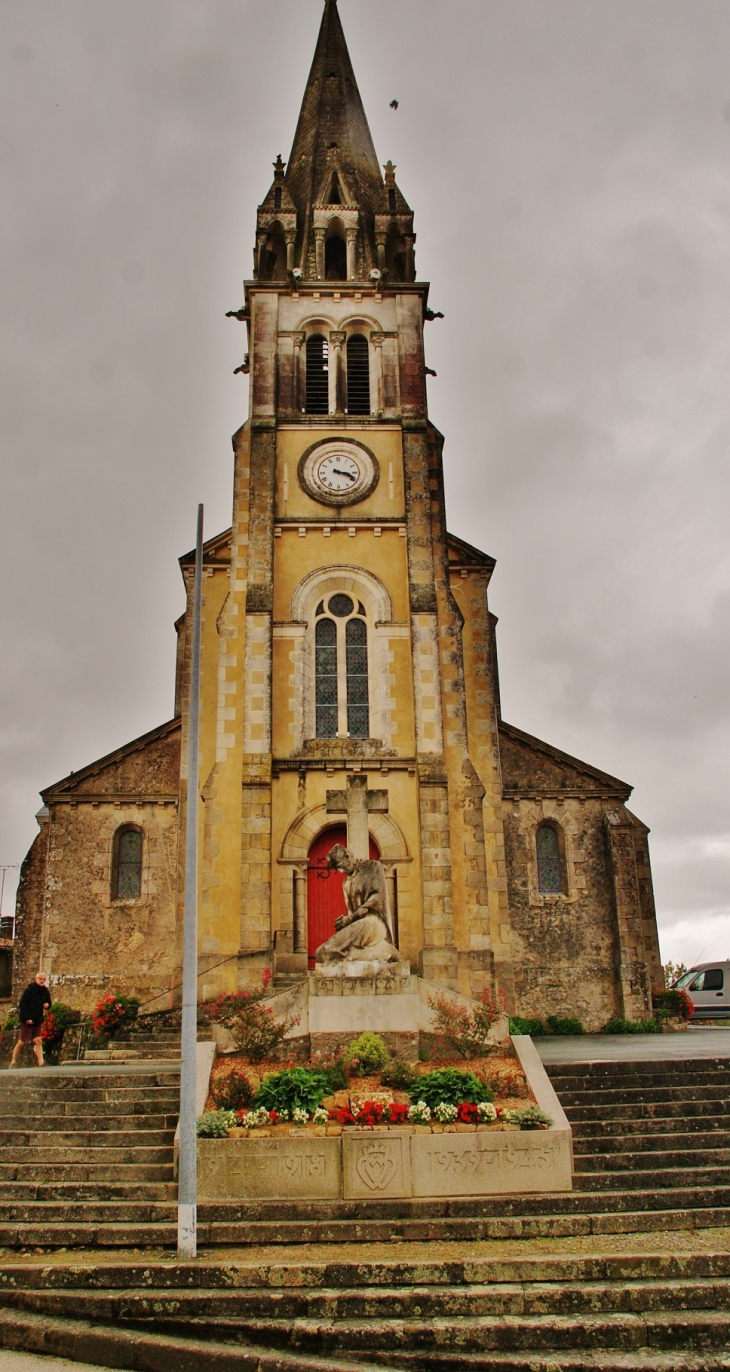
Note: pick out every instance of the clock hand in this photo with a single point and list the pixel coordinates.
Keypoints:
(340, 472)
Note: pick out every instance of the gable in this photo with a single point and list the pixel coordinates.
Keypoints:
(146, 768)
(533, 768)
(462, 554)
(216, 551)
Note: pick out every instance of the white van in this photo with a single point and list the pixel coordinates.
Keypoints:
(708, 987)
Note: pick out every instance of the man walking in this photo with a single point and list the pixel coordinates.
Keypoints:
(33, 1002)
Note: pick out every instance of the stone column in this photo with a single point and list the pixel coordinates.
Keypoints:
(319, 252)
(300, 910)
(337, 384)
(380, 244)
(377, 341)
(351, 253)
(290, 238)
(410, 239)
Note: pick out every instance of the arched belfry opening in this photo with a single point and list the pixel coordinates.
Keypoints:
(335, 252)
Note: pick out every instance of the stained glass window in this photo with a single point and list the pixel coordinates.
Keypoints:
(340, 605)
(358, 714)
(325, 651)
(127, 864)
(549, 862)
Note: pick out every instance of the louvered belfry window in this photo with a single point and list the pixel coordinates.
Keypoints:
(341, 669)
(127, 864)
(317, 374)
(358, 374)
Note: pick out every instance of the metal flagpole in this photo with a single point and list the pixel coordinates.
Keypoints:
(187, 1195)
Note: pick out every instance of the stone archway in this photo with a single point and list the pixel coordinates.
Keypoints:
(294, 858)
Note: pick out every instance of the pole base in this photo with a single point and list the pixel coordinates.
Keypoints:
(187, 1231)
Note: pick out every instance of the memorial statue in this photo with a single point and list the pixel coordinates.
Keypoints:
(364, 932)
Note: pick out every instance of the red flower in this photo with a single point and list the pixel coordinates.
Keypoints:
(398, 1114)
(468, 1114)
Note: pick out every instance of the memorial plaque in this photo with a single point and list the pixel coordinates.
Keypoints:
(376, 1164)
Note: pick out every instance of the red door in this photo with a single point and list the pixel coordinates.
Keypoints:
(325, 901)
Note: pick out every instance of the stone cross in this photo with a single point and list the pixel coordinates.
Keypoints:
(357, 802)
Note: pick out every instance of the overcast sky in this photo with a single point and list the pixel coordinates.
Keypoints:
(567, 161)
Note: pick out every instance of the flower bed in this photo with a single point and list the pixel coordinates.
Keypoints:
(495, 1095)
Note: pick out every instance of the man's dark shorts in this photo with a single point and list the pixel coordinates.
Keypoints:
(28, 1032)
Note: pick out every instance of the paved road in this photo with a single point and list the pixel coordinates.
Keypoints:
(32, 1362)
(693, 1043)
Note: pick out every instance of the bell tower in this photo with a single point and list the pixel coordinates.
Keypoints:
(337, 655)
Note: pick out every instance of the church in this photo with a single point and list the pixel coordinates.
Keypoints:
(350, 689)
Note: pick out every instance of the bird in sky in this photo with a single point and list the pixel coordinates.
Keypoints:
(394, 104)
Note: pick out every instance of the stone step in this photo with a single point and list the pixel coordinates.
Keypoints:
(577, 1114)
(650, 1143)
(82, 1123)
(81, 1192)
(43, 1213)
(636, 1095)
(691, 1159)
(308, 1275)
(217, 1309)
(45, 1153)
(628, 1180)
(12, 1140)
(59, 1171)
(639, 1067)
(675, 1124)
(101, 1345)
(667, 1331)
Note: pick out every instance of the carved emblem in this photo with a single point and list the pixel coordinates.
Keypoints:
(376, 1166)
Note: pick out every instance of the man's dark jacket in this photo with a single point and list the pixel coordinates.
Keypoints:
(32, 1001)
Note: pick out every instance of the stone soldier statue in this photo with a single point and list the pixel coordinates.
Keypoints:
(364, 932)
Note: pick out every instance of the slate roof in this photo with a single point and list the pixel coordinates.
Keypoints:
(332, 113)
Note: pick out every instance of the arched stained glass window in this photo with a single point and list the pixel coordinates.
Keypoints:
(358, 374)
(317, 375)
(127, 863)
(358, 715)
(325, 652)
(550, 866)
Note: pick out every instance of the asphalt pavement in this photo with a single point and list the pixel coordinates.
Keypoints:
(689, 1043)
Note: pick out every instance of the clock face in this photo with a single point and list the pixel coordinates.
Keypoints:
(338, 471)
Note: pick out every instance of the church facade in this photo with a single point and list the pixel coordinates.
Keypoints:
(349, 674)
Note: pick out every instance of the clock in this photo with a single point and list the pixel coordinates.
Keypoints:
(338, 471)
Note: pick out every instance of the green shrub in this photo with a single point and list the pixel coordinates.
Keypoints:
(233, 1092)
(567, 1024)
(632, 1026)
(214, 1124)
(449, 1086)
(295, 1088)
(530, 1117)
(366, 1055)
(398, 1075)
(534, 1027)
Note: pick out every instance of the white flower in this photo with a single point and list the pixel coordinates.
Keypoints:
(320, 1116)
(487, 1112)
(420, 1113)
(255, 1119)
(299, 1116)
(445, 1114)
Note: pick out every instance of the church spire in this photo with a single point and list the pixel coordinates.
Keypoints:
(333, 129)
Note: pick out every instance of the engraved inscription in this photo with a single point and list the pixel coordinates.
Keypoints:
(376, 1166)
(529, 1156)
(303, 1166)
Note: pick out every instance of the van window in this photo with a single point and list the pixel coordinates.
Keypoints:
(711, 980)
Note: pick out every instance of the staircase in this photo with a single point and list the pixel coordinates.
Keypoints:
(631, 1270)
(86, 1157)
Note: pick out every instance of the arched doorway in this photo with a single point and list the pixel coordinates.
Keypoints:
(325, 901)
